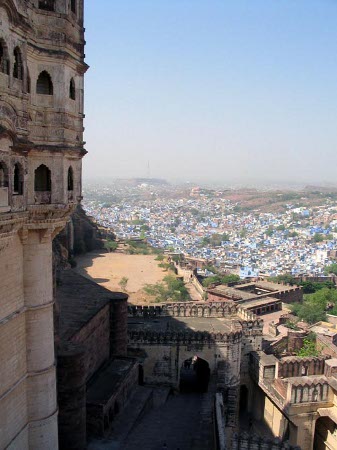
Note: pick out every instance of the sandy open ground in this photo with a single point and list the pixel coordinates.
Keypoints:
(108, 269)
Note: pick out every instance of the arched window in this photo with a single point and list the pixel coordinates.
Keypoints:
(47, 5)
(4, 57)
(70, 179)
(3, 175)
(73, 6)
(18, 179)
(42, 180)
(28, 82)
(72, 89)
(44, 84)
(18, 66)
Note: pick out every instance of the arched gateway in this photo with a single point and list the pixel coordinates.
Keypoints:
(216, 341)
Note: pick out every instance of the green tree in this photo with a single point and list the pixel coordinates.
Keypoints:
(331, 269)
(318, 237)
(111, 246)
(308, 349)
(205, 241)
(220, 279)
(216, 239)
(123, 282)
(137, 222)
(314, 307)
(206, 282)
(231, 278)
(243, 233)
(160, 257)
(171, 288)
(211, 268)
(285, 278)
(310, 287)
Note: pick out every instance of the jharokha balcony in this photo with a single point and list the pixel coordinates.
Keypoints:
(4, 206)
(42, 197)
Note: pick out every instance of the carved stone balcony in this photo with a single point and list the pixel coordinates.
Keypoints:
(71, 196)
(4, 206)
(4, 80)
(42, 197)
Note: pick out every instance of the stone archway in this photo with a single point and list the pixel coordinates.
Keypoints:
(325, 434)
(194, 375)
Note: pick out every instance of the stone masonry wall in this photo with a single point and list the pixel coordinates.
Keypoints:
(95, 338)
(164, 359)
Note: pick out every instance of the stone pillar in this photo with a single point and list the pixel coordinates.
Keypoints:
(71, 382)
(41, 380)
(118, 324)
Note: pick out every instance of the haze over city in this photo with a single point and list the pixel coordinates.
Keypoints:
(225, 91)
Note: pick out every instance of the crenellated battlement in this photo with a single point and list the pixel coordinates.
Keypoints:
(184, 338)
(185, 309)
(296, 366)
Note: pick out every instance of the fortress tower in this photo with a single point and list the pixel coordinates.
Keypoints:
(41, 147)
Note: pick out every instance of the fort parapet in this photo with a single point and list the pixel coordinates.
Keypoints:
(185, 338)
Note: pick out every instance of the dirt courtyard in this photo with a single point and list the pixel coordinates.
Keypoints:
(107, 269)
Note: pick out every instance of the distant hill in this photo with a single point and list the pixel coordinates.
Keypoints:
(149, 181)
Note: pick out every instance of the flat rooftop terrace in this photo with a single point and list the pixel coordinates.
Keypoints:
(265, 285)
(192, 324)
(232, 293)
(259, 302)
(105, 384)
(79, 300)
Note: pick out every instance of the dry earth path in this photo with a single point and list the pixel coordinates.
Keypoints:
(107, 269)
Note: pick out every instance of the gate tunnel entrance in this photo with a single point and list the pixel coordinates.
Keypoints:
(325, 434)
(194, 375)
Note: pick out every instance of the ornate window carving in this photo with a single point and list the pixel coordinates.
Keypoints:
(28, 82)
(3, 175)
(4, 57)
(70, 179)
(18, 179)
(72, 89)
(42, 180)
(18, 66)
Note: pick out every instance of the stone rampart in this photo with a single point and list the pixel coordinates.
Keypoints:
(95, 337)
(71, 378)
(325, 346)
(185, 338)
(308, 391)
(291, 295)
(187, 309)
(245, 441)
(243, 313)
(297, 367)
(199, 287)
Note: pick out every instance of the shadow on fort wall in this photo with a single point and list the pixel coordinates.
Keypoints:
(89, 262)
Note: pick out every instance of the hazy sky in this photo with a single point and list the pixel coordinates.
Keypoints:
(212, 89)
